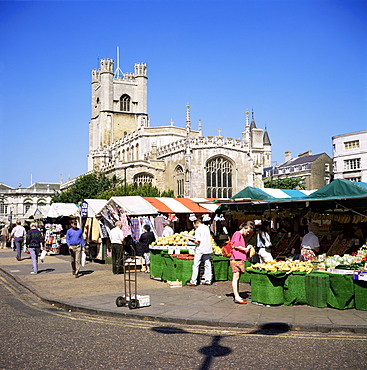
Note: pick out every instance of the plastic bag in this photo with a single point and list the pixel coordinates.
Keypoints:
(83, 258)
(43, 254)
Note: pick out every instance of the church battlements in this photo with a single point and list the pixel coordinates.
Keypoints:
(202, 142)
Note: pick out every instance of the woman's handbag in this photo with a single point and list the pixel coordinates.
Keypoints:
(227, 249)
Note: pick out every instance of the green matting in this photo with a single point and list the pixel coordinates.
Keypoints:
(220, 268)
(341, 291)
(295, 289)
(360, 295)
(156, 265)
(317, 287)
(267, 288)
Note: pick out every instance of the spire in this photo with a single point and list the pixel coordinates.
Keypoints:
(188, 120)
(118, 73)
(266, 139)
(253, 124)
(200, 127)
(247, 121)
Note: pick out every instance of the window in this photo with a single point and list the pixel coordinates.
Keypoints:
(335, 167)
(125, 103)
(179, 181)
(352, 164)
(327, 167)
(219, 178)
(143, 178)
(357, 179)
(27, 204)
(3, 208)
(351, 144)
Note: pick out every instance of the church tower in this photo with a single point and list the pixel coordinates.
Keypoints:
(119, 106)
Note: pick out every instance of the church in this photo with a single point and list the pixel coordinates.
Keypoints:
(122, 142)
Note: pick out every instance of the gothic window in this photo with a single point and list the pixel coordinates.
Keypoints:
(218, 178)
(125, 103)
(143, 178)
(179, 182)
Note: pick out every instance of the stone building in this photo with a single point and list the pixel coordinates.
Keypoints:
(16, 202)
(350, 156)
(315, 170)
(122, 142)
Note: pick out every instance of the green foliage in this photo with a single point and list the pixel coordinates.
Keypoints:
(288, 183)
(97, 185)
(145, 190)
(86, 187)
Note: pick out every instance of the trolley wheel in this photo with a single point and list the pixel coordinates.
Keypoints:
(133, 303)
(120, 301)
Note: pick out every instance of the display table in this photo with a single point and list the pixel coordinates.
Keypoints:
(317, 289)
(169, 268)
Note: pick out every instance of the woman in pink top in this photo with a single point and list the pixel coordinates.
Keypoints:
(238, 258)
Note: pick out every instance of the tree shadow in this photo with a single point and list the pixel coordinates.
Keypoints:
(210, 352)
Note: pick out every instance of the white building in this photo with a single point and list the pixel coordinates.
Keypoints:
(122, 142)
(15, 202)
(350, 156)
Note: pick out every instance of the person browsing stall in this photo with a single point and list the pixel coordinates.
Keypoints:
(238, 258)
(264, 243)
(75, 242)
(310, 243)
(117, 241)
(203, 251)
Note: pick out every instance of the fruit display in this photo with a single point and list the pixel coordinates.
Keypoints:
(177, 239)
(286, 266)
(184, 239)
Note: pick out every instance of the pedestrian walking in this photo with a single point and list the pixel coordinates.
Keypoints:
(4, 236)
(34, 242)
(17, 235)
(146, 238)
(75, 242)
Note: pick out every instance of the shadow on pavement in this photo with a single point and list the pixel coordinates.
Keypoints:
(272, 328)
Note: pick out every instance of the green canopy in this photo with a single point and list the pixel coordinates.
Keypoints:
(340, 188)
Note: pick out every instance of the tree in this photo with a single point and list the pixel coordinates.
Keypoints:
(86, 186)
(288, 183)
(145, 190)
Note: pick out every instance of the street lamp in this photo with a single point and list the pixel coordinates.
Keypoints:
(125, 168)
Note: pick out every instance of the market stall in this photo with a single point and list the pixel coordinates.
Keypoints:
(56, 223)
(340, 210)
(92, 236)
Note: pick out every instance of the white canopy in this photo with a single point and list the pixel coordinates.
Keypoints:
(63, 210)
(95, 206)
(132, 205)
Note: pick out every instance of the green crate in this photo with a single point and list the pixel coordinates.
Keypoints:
(341, 291)
(360, 295)
(294, 289)
(267, 288)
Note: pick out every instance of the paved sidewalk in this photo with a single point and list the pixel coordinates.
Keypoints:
(97, 289)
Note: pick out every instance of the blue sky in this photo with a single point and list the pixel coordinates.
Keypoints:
(300, 64)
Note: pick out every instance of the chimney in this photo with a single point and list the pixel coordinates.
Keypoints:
(288, 155)
(305, 154)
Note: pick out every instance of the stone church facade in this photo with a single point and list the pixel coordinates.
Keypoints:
(122, 142)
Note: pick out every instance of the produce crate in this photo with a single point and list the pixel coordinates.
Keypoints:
(220, 268)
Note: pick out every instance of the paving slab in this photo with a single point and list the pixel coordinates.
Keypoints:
(97, 289)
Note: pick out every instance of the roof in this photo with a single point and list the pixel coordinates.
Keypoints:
(301, 160)
(270, 194)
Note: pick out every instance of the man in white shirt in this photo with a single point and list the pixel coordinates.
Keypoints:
(117, 242)
(18, 234)
(167, 229)
(310, 243)
(203, 251)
